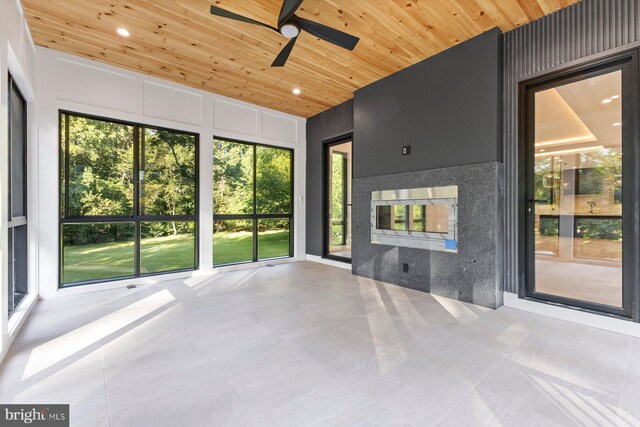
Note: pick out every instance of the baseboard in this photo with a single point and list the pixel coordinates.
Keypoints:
(315, 258)
(151, 280)
(117, 284)
(583, 318)
(251, 265)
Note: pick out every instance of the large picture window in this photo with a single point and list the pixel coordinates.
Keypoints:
(128, 203)
(252, 196)
(17, 254)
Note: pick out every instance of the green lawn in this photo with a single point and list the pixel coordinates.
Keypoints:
(109, 260)
(233, 247)
(116, 259)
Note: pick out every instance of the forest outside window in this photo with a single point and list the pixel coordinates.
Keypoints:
(253, 209)
(128, 204)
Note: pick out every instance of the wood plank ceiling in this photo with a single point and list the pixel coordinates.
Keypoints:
(179, 40)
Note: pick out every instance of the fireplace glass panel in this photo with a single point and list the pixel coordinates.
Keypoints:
(422, 218)
(437, 218)
(393, 217)
(383, 215)
(418, 218)
(417, 222)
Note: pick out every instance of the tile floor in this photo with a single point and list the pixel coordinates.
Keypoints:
(308, 344)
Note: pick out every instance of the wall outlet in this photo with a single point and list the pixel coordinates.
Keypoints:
(406, 150)
(405, 268)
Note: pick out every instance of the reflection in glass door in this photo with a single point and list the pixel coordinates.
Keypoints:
(575, 207)
(338, 188)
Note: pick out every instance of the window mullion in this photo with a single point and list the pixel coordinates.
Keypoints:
(136, 197)
(255, 205)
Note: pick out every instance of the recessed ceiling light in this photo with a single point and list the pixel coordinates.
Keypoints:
(296, 91)
(123, 32)
(606, 101)
(617, 124)
(542, 151)
(615, 97)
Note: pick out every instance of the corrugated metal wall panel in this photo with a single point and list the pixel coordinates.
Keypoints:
(579, 31)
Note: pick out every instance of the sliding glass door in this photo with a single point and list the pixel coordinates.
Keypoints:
(17, 254)
(128, 200)
(579, 188)
(253, 202)
(337, 228)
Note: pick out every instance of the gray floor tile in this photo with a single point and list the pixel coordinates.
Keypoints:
(310, 345)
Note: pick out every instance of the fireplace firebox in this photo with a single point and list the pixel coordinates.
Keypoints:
(421, 218)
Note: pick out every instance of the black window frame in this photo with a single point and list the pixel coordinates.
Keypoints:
(135, 218)
(326, 226)
(13, 86)
(256, 217)
(15, 223)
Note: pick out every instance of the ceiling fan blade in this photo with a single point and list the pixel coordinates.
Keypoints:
(329, 34)
(289, 7)
(282, 57)
(230, 15)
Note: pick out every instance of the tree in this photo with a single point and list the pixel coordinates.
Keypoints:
(101, 176)
(233, 170)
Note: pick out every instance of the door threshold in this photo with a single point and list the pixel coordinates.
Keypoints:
(339, 264)
(607, 323)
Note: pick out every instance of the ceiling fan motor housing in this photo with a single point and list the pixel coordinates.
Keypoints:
(290, 30)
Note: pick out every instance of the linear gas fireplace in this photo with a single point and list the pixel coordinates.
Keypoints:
(422, 218)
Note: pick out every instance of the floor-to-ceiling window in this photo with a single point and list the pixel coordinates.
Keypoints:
(578, 127)
(128, 202)
(253, 202)
(338, 163)
(17, 254)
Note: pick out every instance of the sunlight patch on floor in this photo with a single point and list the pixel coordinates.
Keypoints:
(581, 408)
(58, 349)
(458, 310)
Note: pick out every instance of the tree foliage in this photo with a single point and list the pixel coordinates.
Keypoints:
(169, 173)
(232, 178)
(233, 182)
(100, 168)
(600, 173)
(273, 180)
(337, 199)
(101, 178)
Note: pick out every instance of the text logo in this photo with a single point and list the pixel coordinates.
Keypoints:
(34, 415)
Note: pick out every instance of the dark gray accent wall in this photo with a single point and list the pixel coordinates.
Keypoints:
(474, 274)
(579, 33)
(448, 108)
(330, 124)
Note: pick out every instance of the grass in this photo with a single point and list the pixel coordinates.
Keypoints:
(234, 247)
(116, 259)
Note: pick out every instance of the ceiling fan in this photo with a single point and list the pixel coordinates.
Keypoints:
(290, 25)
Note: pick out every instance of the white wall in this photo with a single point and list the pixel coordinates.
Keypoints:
(72, 83)
(17, 56)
